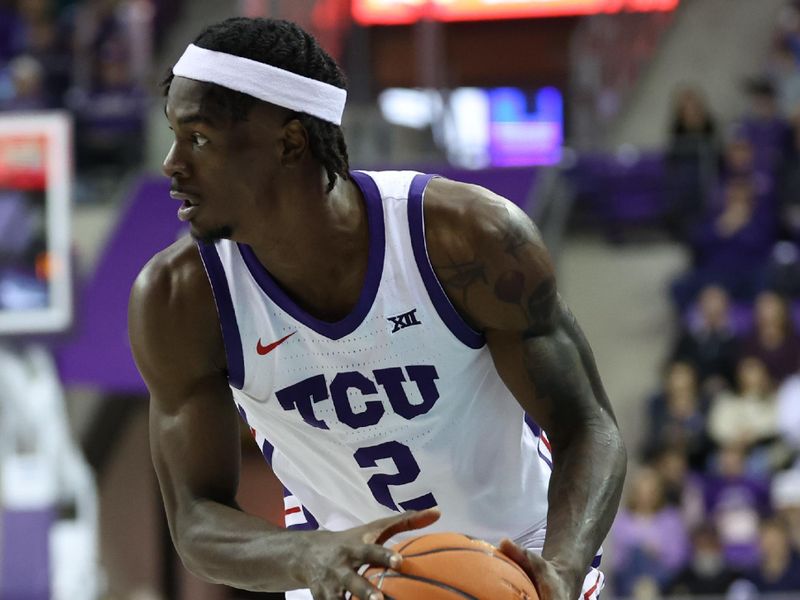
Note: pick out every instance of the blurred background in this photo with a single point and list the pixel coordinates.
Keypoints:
(655, 142)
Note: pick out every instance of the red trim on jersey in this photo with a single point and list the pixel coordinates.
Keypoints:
(291, 511)
(592, 589)
(543, 437)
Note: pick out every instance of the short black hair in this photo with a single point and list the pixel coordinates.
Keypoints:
(285, 45)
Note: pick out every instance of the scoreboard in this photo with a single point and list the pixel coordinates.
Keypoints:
(35, 190)
(397, 12)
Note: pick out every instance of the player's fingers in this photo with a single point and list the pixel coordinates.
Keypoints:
(386, 528)
(360, 588)
(530, 562)
(379, 556)
(535, 566)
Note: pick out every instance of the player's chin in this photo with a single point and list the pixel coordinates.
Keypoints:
(209, 235)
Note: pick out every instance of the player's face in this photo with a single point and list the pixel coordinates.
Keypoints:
(221, 170)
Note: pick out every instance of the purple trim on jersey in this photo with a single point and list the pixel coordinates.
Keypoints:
(537, 432)
(546, 460)
(596, 561)
(311, 523)
(267, 450)
(447, 312)
(377, 250)
(533, 425)
(227, 316)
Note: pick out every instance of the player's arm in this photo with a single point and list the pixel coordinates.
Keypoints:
(195, 446)
(493, 265)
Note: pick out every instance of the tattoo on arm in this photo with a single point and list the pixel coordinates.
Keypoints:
(515, 237)
(537, 309)
(512, 267)
(460, 277)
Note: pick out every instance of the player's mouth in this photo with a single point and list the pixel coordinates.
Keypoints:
(189, 208)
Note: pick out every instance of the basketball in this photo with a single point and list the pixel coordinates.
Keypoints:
(452, 566)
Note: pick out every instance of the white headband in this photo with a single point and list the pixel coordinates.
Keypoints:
(264, 82)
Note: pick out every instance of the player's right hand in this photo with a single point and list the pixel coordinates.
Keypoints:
(332, 559)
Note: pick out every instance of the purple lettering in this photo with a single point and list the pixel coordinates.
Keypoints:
(302, 396)
(392, 382)
(373, 409)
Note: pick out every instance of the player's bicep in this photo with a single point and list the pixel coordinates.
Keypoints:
(194, 431)
(492, 263)
(196, 446)
(490, 259)
(552, 374)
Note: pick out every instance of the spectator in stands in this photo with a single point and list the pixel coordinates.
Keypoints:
(110, 116)
(735, 502)
(773, 338)
(672, 468)
(97, 25)
(739, 161)
(650, 542)
(9, 26)
(706, 573)
(785, 75)
(46, 43)
(26, 14)
(682, 487)
(27, 85)
(730, 248)
(677, 417)
(788, 412)
(765, 126)
(692, 156)
(786, 502)
(789, 188)
(778, 569)
(789, 26)
(748, 415)
(738, 158)
(709, 343)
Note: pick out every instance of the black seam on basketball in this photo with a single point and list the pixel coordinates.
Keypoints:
(450, 549)
(492, 554)
(432, 582)
(406, 545)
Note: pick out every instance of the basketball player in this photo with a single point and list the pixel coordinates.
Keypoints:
(394, 341)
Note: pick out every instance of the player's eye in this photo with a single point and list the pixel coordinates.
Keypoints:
(199, 140)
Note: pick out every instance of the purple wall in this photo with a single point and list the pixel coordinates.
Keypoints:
(25, 567)
(98, 353)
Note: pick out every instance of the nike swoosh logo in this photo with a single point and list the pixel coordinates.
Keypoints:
(262, 350)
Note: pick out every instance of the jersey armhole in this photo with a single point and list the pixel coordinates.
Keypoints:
(227, 316)
(447, 312)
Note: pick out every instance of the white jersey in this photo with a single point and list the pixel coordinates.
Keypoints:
(397, 406)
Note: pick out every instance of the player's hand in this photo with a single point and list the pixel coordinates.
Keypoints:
(333, 558)
(551, 583)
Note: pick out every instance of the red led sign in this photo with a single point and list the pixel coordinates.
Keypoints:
(398, 12)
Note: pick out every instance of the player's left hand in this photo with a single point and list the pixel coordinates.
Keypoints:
(551, 582)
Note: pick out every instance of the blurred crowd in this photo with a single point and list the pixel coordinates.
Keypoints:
(91, 57)
(715, 508)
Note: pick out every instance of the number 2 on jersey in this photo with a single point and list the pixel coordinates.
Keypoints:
(407, 471)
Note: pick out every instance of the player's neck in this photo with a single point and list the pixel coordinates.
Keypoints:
(318, 247)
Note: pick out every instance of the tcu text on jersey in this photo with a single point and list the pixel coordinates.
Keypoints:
(303, 395)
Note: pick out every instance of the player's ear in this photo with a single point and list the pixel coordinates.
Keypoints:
(294, 143)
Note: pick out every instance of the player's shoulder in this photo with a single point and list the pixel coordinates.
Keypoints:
(172, 307)
(465, 216)
(174, 273)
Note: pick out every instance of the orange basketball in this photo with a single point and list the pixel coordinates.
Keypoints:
(452, 566)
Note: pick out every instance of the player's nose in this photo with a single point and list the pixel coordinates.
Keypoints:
(174, 165)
